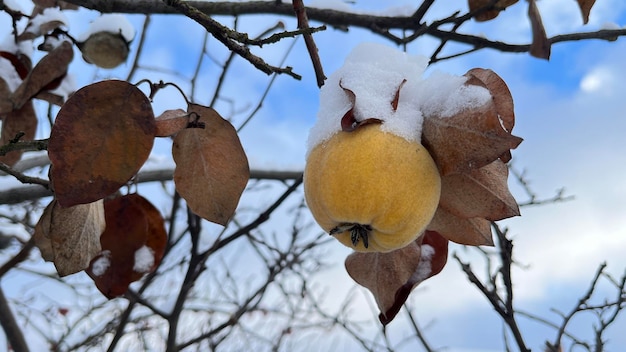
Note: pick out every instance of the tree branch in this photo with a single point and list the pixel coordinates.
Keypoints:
(343, 20)
(233, 40)
(25, 193)
(303, 23)
(11, 328)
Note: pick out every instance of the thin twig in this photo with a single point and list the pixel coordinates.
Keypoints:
(417, 330)
(228, 37)
(303, 23)
(24, 178)
(581, 303)
(12, 330)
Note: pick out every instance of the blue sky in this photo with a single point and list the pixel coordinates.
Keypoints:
(570, 112)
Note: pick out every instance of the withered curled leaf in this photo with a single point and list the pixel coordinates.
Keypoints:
(540, 46)
(70, 237)
(476, 136)
(468, 231)
(171, 122)
(392, 276)
(22, 121)
(133, 225)
(101, 137)
(469, 140)
(487, 10)
(585, 8)
(50, 68)
(482, 193)
(211, 166)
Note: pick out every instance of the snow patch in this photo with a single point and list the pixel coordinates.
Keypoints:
(610, 26)
(50, 14)
(9, 75)
(374, 73)
(112, 23)
(14, 5)
(23, 47)
(66, 88)
(343, 6)
(424, 267)
(144, 259)
(102, 264)
(444, 95)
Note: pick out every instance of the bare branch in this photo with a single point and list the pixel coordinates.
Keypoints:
(11, 328)
(417, 330)
(502, 305)
(24, 178)
(229, 37)
(25, 193)
(378, 24)
(303, 23)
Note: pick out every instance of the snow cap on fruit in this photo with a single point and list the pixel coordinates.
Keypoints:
(380, 82)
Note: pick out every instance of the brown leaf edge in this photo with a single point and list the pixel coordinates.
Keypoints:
(502, 100)
(234, 171)
(481, 193)
(466, 231)
(440, 245)
(456, 228)
(585, 9)
(540, 46)
(171, 122)
(51, 67)
(485, 11)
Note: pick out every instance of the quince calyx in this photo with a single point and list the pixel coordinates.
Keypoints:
(357, 232)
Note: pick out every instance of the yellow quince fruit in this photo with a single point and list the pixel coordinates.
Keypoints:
(371, 189)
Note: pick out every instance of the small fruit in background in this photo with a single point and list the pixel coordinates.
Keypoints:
(104, 49)
(106, 43)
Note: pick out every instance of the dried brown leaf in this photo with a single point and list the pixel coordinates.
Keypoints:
(392, 276)
(41, 235)
(20, 62)
(31, 33)
(488, 14)
(171, 122)
(17, 122)
(101, 137)
(468, 140)
(70, 237)
(468, 231)
(51, 67)
(132, 223)
(500, 93)
(482, 193)
(585, 8)
(540, 46)
(6, 105)
(211, 166)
